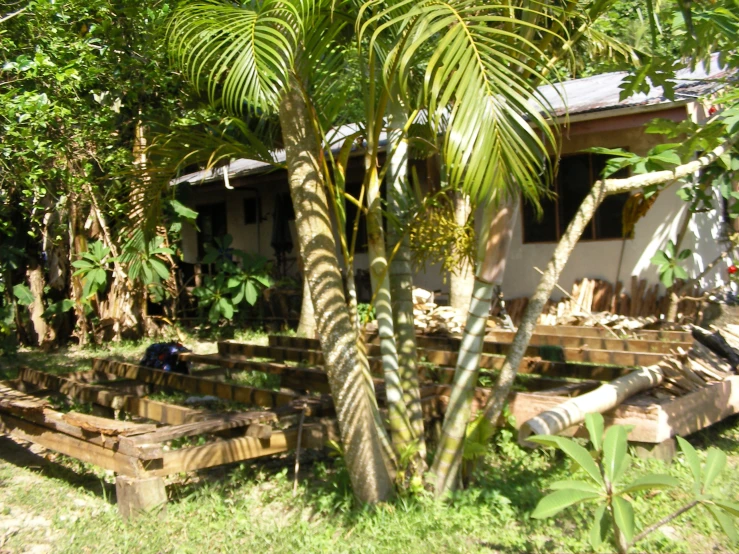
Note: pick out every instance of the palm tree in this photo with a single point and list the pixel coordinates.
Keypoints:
(473, 67)
(264, 58)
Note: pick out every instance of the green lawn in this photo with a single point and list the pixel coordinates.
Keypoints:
(51, 503)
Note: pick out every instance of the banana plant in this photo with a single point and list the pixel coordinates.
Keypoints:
(93, 268)
(605, 485)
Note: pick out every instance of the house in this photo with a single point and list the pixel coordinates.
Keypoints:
(590, 113)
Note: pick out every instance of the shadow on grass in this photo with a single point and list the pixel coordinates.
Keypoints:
(20, 456)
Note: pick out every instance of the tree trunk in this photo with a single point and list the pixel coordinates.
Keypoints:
(307, 323)
(401, 284)
(497, 225)
(604, 398)
(36, 282)
(401, 430)
(561, 255)
(462, 281)
(348, 377)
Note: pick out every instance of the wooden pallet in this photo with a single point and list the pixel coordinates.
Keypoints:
(138, 452)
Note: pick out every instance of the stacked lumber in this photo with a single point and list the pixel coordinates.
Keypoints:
(430, 318)
(688, 371)
(596, 302)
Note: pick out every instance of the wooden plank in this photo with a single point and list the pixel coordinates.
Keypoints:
(235, 450)
(444, 359)
(71, 446)
(143, 407)
(106, 426)
(697, 410)
(210, 425)
(197, 385)
(452, 344)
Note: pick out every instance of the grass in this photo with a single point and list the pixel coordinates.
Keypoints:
(52, 503)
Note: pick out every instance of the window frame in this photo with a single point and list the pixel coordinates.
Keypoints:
(559, 231)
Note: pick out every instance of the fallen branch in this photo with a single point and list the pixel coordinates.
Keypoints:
(602, 399)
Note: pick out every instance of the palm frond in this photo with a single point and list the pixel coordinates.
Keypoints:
(240, 54)
(492, 118)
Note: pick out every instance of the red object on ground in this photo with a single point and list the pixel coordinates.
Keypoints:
(732, 269)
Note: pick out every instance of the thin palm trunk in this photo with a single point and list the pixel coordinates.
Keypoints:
(355, 409)
(498, 221)
(401, 430)
(461, 281)
(401, 283)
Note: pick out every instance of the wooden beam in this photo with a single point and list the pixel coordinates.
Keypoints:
(547, 352)
(143, 407)
(446, 360)
(240, 449)
(71, 446)
(211, 425)
(197, 385)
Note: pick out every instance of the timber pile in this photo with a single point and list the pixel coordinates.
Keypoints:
(598, 302)
(711, 362)
(430, 318)
(688, 371)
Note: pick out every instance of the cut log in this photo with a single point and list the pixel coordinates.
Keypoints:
(602, 399)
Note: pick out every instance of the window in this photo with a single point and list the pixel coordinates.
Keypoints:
(211, 223)
(576, 176)
(251, 211)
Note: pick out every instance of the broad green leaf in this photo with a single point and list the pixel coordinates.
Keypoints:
(680, 273)
(667, 277)
(251, 293)
(576, 486)
(598, 530)
(234, 282)
(615, 446)
(652, 481)
(581, 456)
(594, 423)
(239, 296)
(183, 211)
(730, 507)
(691, 457)
(557, 501)
(82, 264)
(715, 463)
(23, 294)
(725, 521)
(623, 513)
(214, 314)
(263, 279)
(660, 258)
(160, 268)
(226, 308)
(684, 254)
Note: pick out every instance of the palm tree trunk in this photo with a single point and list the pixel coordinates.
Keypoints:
(356, 412)
(401, 285)
(401, 431)
(307, 323)
(462, 281)
(498, 222)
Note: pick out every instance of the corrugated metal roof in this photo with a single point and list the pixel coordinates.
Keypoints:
(576, 96)
(601, 92)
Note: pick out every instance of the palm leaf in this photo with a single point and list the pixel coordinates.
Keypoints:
(239, 54)
(493, 122)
